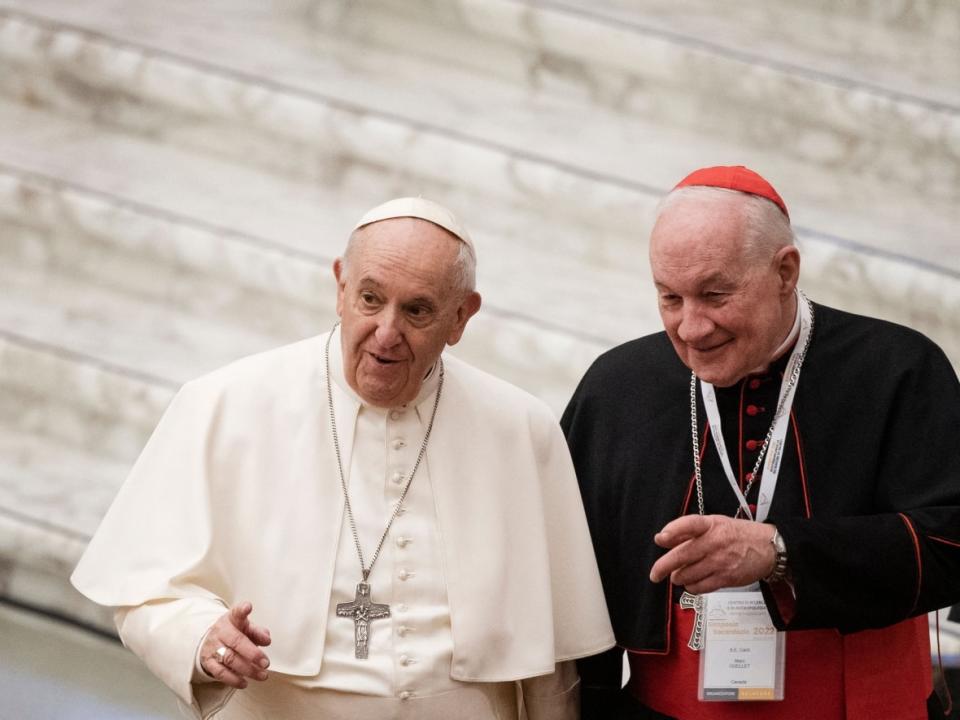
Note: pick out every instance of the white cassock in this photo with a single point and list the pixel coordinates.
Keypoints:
(489, 570)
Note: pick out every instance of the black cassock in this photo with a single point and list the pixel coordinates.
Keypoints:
(868, 501)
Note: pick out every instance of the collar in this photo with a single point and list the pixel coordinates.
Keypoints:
(794, 329)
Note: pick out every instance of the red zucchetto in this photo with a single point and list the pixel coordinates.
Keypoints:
(734, 177)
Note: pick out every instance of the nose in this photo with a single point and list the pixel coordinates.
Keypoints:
(695, 325)
(388, 332)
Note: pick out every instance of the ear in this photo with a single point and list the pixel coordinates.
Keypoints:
(467, 309)
(787, 265)
(340, 275)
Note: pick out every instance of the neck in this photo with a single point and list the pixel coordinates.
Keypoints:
(790, 330)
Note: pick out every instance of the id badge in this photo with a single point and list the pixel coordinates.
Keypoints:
(743, 653)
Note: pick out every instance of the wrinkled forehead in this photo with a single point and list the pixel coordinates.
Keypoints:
(404, 256)
(712, 225)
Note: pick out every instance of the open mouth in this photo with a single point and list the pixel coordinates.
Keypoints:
(381, 360)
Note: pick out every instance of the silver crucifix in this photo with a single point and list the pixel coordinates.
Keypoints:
(695, 603)
(362, 610)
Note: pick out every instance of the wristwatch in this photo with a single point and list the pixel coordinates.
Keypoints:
(779, 571)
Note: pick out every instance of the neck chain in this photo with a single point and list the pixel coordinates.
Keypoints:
(362, 609)
(794, 376)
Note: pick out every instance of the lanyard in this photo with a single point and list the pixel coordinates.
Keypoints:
(778, 428)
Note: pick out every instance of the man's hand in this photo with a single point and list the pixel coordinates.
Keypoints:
(243, 658)
(710, 552)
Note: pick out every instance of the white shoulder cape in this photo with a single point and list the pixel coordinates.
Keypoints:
(236, 497)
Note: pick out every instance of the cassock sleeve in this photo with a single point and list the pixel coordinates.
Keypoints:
(875, 569)
(151, 556)
(601, 676)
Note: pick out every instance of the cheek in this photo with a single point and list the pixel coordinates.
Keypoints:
(360, 326)
(354, 333)
(734, 320)
(427, 346)
(667, 318)
(678, 345)
(671, 323)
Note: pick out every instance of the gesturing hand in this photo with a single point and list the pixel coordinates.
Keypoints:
(240, 638)
(710, 552)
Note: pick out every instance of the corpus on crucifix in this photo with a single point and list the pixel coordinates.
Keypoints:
(362, 610)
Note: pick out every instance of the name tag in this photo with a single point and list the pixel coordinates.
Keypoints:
(743, 653)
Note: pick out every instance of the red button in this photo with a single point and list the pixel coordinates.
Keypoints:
(752, 410)
(752, 444)
(748, 477)
(754, 384)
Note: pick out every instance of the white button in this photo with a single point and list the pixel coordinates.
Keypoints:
(397, 477)
(406, 695)
(406, 660)
(404, 630)
(402, 607)
(406, 574)
(403, 541)
(401, 510)
(398, 443)
(395, 414)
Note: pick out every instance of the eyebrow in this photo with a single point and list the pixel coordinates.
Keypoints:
(717, 278)
(419, 299)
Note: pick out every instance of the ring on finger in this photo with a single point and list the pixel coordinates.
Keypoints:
(221, 653)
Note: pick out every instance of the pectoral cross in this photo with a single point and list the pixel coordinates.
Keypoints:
(695, 603)
(362, 610)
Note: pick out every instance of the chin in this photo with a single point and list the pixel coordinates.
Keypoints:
(715, 376)
(385, 395)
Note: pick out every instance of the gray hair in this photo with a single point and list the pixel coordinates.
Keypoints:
(464, 265)
(767, 228)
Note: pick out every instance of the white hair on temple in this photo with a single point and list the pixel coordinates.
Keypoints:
(767, 228)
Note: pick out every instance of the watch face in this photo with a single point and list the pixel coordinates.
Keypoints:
(777, 541)
(779, 571)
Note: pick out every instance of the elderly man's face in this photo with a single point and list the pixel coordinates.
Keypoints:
(399, 306)
(724, 312)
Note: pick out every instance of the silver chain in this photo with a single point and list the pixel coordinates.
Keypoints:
(343, 482)
(794, 376)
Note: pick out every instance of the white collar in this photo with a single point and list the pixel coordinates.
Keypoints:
(794, 329)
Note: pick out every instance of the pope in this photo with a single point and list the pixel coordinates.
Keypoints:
(359, 525)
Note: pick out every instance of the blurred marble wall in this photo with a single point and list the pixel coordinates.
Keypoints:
(177, 177)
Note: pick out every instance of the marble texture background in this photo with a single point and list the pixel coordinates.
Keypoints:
(176, 179)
